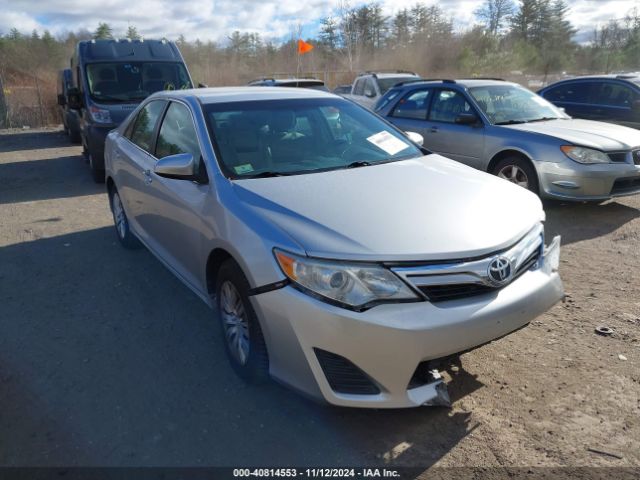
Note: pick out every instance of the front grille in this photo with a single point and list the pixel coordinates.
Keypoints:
(529, 262)
(343, 376)
(625, 185)
(443, 293)
(618, 157)
(456, 291)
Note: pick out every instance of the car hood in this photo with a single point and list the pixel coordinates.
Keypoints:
(430, 208)
(599, 135)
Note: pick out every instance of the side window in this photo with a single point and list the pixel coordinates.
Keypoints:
(177, 133)
(447, 105)
(613, 95)
(569, 92)
(414, 105)
(358, 89)
(370, 87)
(144, 125)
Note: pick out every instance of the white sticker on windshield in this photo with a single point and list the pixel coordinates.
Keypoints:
(387, 142)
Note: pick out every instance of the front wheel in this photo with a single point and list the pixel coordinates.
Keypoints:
(127, 238)
(519, 171)
(244, 343)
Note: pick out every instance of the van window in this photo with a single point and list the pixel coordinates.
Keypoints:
(145, 124)
(134, 81)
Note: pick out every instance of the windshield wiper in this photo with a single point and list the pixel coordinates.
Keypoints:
(360, 163)
(511, 122)
(542, 119)
(266, 174)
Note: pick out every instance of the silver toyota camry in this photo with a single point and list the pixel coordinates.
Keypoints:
(340, 257)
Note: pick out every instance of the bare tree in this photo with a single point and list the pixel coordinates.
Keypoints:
(495, 14)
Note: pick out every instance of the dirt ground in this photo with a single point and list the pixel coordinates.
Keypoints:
(107, 359)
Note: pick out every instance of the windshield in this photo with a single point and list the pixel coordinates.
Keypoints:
(386, 83)
(133, 81)
(509, 104)
(287, 137)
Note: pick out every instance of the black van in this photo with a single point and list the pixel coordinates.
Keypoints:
(70, 117)
(112, 78)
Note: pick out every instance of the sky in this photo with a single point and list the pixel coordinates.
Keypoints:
(216, 19)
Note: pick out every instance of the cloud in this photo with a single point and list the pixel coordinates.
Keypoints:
(216, 19)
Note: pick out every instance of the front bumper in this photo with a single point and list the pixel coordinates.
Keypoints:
(390, 341)
(573, 181)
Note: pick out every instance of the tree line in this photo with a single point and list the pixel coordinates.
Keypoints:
(528, 36)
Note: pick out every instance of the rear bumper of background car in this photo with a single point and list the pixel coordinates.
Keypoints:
(378, 358)
(574, 181)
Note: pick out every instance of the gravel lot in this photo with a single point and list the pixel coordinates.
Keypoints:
(107, 359)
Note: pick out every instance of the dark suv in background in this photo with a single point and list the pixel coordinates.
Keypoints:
(607, 98)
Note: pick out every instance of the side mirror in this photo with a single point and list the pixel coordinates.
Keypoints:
(74, 99)
(467, 119)
(62, 100)
(202, 85)
(180, 166)
(415, 137)
(369, 93)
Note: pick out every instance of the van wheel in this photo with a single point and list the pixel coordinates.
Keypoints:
(96, 173)
(519, 171)
(121, 222)
(241, 330)
(74, 136)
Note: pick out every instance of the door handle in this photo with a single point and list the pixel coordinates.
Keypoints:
(434, 129)
(147, 176)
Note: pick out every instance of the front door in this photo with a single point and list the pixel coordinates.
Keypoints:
(174, 210)
(464, 143)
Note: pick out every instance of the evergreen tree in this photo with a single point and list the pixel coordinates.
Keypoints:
(103, 32)
(132, 33)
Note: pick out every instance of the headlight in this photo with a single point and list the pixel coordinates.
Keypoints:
(584, 155)
(100, 115)
(352, 285)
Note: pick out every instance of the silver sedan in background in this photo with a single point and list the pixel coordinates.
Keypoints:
(341, 258)
(502, 128)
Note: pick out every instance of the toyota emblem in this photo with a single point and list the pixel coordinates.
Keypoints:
(499, 270)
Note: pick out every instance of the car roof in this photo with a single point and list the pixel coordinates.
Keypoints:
(288, 80)
(633, 77)
(465, 83)
(214, 95)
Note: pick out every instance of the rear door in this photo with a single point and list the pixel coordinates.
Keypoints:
(464, 143)
(615, 102)
(173, 214)
(410, 113)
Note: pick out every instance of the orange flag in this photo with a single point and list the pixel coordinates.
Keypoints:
(304, 47)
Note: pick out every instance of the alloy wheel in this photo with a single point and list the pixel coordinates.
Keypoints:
(119, 216)
(235, 323)
(514, 174)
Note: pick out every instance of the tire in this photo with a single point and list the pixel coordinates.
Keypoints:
(524, 174)
(96, 173)
(74, 136)
(127, 239)
(241, 332)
